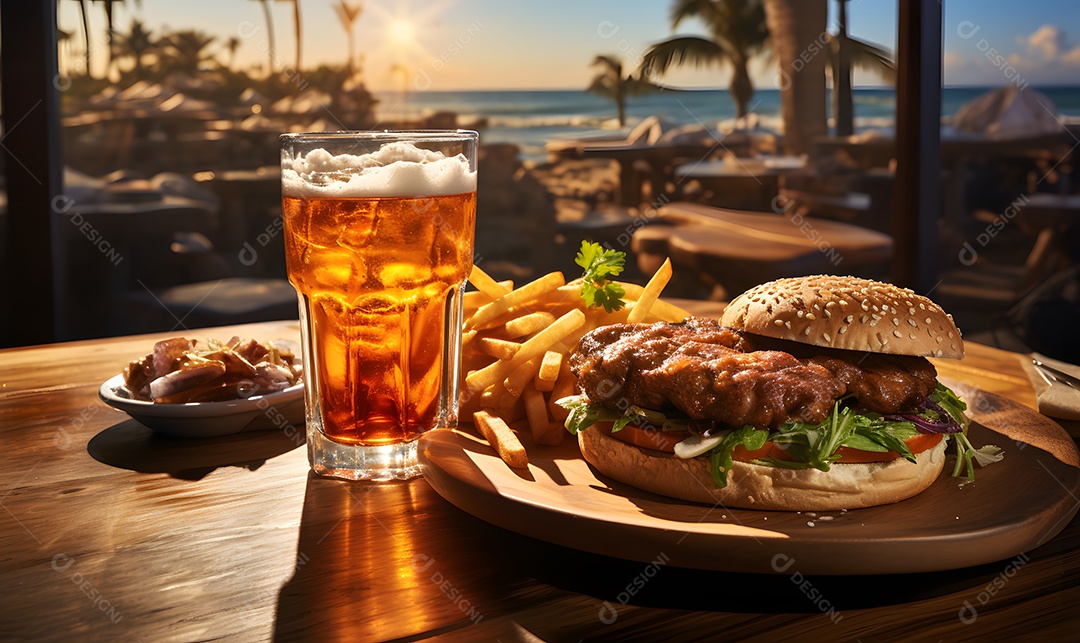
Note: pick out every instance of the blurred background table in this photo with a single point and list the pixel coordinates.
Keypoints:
(110, 532)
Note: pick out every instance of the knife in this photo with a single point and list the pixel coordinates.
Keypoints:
(1061, 376)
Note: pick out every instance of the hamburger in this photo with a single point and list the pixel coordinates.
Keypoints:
(811, 393)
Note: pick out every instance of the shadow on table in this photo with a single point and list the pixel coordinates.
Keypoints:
(387, 561)
(130, 445)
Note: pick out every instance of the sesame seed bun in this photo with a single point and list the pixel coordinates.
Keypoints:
(755, 486)
(847, 313)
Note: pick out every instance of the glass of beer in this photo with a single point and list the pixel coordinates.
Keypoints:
(379, 231)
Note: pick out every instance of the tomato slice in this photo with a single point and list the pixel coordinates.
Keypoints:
(918, 444)
(666, 441)
(654, 439)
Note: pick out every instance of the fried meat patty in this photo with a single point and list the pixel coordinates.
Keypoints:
(714, 373)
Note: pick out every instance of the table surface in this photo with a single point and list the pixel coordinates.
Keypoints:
(109, 532)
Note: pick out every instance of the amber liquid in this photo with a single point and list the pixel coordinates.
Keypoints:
(379, 279)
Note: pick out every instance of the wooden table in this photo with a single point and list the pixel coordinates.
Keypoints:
(108, 532)
(739, 249)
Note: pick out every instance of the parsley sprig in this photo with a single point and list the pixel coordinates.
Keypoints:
(600, 264)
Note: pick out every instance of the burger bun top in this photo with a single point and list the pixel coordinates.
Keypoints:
(847, 313)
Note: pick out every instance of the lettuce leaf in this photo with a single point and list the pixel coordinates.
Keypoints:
(720, 458)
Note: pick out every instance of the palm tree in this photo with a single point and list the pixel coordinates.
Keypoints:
(86, 34)
(609, 82)
(187, 49)
(135, 45)
(232, 44)
(271, 50)
(296, 29)
(737, 32)
(845, 52)
(348, 14)
(794, 25)
(108, 4)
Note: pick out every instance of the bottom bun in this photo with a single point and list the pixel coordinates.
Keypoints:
(756, 486)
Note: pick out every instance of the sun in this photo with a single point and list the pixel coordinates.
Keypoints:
(401, 31)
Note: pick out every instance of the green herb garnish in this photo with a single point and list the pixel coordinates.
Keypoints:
(600, 264)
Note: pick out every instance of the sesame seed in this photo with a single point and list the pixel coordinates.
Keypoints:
(843, 329)
(866, 306)
(928, 321)
(788, 325)
(863, 319)
(911, 335)
(938, 338)
(825, 335)
(807, 331)
(778, 322)
(895, 321)
(940, 352)
(873, 322)
(800, 314)
(828, 314)
(911, 322)
(810, 316)
(950, 334)
(911, 311)
(849, 318)
(843, 302)
(897, 334)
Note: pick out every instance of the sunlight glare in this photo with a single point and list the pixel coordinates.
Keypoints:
(401, 31)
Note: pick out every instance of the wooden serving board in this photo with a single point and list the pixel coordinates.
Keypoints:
(1012, 507)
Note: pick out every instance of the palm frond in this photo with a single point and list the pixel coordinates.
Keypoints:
(691, 50)
(869, 57)
(636, 86)
(611, 63)
(865, 56)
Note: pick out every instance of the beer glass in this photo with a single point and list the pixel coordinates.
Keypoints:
(379, 231)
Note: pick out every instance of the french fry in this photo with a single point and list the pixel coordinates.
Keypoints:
(485, 284)
(467, 337)
(517, 379)
(476, 298)
(502, 439)
(497, 348)
(536, 412)
(564, 387)
(661, 309)
(515, 298)
(507, 406)
(528, 324)
(536, 345)
(549, 371)
(651, 293)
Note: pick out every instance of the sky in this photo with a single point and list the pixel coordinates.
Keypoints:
(548, 44)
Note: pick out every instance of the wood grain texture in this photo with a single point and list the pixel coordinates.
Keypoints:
(109, 532)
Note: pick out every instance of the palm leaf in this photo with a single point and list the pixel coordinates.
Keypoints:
(691, 50)
(869, 57)
(737, 25)
(635, 86)
(865, 56)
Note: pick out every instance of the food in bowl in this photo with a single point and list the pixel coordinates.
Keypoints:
(181, 370)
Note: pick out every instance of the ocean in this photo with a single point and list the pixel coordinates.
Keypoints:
(531, 118)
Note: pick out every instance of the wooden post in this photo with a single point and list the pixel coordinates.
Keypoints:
(32, 164)
(917, 191)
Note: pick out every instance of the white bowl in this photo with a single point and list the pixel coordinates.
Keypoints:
(208, 419)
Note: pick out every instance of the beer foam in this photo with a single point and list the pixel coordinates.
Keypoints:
(396, 169)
